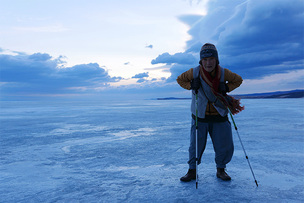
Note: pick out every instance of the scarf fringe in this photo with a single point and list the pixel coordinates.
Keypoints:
(234, 105)
(229, 101)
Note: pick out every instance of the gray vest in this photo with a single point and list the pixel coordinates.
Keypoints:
(204, 94)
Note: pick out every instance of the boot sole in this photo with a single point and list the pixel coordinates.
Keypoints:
(224, 179)
(187, 180)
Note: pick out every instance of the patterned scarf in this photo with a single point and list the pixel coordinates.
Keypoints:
(214, 82)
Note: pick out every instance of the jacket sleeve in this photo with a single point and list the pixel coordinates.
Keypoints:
(185, 78)
(233, 79)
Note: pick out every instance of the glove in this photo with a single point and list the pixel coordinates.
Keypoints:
(223, 88)
(195, 84)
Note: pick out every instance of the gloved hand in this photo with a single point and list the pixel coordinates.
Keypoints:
(223, 88)
(195, 84)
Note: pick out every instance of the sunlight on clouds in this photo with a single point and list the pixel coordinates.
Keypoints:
(123, 82)
(280, 77)
(288, 81)
(159, 73)
(133, 82)
(108, 34)
(137, 64)
(199, 7)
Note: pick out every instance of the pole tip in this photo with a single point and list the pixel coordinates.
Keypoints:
(256, 182)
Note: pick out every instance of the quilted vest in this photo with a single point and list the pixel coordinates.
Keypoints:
(205, 94)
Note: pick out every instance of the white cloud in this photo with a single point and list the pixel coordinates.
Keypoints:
(149, 46)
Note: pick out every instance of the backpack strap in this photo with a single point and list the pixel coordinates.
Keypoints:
(196, 72)
(222, 78)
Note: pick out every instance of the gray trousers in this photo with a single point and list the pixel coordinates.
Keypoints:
(221, 136)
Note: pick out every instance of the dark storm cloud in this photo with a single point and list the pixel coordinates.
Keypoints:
(39, 73)
(254, 38)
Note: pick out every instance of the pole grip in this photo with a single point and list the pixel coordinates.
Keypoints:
(196, 142)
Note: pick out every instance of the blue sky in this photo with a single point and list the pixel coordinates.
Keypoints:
(102, 48)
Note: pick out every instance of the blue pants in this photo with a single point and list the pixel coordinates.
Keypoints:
(221, 136)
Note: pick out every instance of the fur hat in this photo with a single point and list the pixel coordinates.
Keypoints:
(208, 50)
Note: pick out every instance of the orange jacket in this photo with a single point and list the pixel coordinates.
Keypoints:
(233, 81)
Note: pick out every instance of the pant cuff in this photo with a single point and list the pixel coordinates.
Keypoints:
(220, 165)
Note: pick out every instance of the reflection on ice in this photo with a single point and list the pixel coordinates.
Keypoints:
(74, 128)
(66, 149)
(121, 135)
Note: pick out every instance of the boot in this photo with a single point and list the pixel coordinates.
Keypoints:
(191, 175)
(221, 173)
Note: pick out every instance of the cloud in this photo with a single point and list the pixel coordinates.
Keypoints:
(40, 57)
(254, 38)
(141, 75)
(179, 58)
(39, 73)
(267, 35)
(141, 80)
(149, 46)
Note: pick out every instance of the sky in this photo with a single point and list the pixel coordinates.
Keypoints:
(99, 48)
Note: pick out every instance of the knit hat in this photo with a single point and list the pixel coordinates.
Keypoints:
(209, 50)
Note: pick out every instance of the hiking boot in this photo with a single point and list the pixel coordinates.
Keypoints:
(191, 175)
(221, 173)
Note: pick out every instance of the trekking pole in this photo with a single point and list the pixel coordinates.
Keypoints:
(196, 147)
(256, 182)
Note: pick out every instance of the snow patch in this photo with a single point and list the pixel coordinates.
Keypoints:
(66, 149)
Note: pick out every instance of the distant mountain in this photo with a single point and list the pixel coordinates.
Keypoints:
(172, 98)
(268, 95)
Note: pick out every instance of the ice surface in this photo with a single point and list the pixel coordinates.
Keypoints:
(136, 151)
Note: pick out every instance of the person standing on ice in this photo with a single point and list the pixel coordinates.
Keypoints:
(211, 82)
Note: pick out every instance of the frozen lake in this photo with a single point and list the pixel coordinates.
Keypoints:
(136, 151)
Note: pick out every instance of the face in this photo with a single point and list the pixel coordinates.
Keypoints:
(209, 64)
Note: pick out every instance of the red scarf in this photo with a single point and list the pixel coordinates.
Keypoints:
(214, 83)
